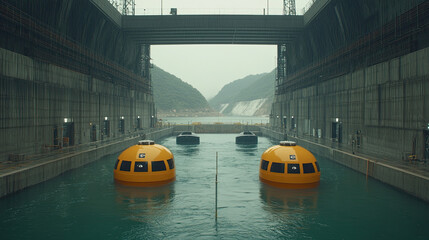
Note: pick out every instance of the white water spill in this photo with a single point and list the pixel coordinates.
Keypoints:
(223, 107)
(248, 108)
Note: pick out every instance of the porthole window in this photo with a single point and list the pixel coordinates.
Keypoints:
(125, 166)
(116, 164)
(170, 163)
(277, 167)
(264, 165)
(317, 166)
(140, 167)
(308, 168)
(158, 166)
(293, 168)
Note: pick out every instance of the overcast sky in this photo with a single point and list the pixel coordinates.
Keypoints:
(209, 67)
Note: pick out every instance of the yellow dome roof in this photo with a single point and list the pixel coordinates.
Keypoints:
(145, 164)
(288, 165)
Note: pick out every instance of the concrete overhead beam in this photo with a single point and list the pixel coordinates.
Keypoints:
(314, 10)
(213, 29)
(205, 29)
(109, 11)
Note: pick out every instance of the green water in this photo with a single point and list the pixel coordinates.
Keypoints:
(87, 204)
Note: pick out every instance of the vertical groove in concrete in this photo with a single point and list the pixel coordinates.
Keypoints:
(38, 96)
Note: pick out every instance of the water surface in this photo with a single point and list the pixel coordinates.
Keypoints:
(86, 203)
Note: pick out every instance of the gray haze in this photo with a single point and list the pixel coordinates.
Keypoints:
(209, 67)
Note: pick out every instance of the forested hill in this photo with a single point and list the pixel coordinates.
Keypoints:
(232, 91)
(249, 96)
(172, 95)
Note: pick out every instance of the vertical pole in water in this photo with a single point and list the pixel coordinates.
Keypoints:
(216, 188)
(367, 166)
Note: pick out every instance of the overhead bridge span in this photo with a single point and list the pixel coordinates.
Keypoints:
(213, 29)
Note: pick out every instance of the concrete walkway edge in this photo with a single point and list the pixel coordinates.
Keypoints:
(410, 182)
(16, 180)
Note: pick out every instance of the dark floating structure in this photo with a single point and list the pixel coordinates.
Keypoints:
(246, 137)
(289, 166)
(187, 138)
(145, 164)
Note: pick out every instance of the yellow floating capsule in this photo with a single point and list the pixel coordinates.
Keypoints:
(145, 164)
(290, 166)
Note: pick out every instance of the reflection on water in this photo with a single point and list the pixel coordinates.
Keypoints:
(247, 149)
(290, 209)
(144, 203)
(187, 149)
(281, 199)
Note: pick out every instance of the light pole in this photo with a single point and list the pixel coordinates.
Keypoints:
(161, 7)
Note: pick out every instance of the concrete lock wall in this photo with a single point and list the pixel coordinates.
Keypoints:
(38, 98)
(384, 105)
(363, 80)
(357, 80)
(72, 90)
